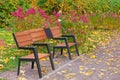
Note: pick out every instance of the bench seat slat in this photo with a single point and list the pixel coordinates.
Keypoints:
(63, 44)
(40, 56)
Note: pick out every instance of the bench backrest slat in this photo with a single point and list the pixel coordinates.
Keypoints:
(38, 34)
(23, 38)
(56, 32)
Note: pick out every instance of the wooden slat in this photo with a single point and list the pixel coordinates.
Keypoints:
(40, 56)
(23, 38)
(38, 34)
(56, 32)
(63, 44)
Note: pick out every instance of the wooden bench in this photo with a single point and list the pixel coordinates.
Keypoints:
(28, 40)
(55, 33)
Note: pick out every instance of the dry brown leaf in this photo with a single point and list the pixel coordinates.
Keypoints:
(108, 63)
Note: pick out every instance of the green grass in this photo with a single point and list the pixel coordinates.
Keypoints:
(3, 79)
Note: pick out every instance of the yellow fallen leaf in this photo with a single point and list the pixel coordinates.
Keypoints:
(69, 75)
(55, 62)
(44, 71)
(92, 56)
(82, 67)
(43, 59)
(107, 63)
(64, 71)
(89, 72)
(21, 78)
(6, 60)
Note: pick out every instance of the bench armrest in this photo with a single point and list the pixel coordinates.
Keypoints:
(43, 44)
(40, 44)
(70, 35)
(28, 47)
(60, 38)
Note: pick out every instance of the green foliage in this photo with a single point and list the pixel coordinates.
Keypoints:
(7, 6)
(25, 4)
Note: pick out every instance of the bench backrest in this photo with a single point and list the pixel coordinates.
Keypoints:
(38, 34)
(22, 38)
(53, 32)
(28, 37)
(56, 31)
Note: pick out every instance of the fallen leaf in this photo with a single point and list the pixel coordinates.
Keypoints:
(107, 63)
(55, 79)
(59, 73)
(82, 68)
(89, 72)
(55, 62)
(101, 74)
(43, 59)
(21, 78)
(22, 72)
(64, 71)
(69, 75)
(92, 56)
(6, 60)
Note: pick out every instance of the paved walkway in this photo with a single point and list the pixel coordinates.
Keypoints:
(103, 65)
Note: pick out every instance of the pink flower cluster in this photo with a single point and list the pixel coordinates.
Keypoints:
(76, 17)
(31, 11)
(19, 13)
(56, 14)
(43, 14)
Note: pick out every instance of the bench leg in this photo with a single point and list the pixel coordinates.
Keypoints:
(69, 53)
(53, 51)
(19, 61)
(39, 68)
(37, 63)
(32, 66)
(76, 46)
(51, 61)
(61, 51)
